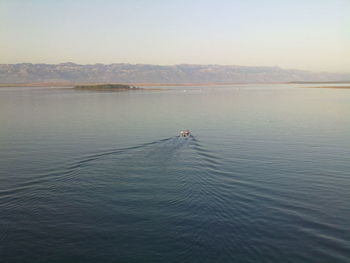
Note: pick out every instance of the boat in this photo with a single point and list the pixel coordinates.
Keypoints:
(185, 133)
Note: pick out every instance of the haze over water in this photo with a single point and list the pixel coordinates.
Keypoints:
(104, 177)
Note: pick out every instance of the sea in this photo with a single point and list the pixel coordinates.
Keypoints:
(103, 176)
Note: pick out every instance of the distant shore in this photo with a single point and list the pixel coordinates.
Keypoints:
(71, 84)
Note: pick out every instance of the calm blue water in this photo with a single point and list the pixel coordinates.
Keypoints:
(104, 177)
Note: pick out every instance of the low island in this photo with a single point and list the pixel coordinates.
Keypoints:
(106, 87)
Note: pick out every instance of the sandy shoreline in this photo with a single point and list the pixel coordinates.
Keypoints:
(329, 87)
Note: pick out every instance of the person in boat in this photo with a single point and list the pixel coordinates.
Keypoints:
(185, 133)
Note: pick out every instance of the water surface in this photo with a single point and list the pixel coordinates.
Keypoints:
(104, 177)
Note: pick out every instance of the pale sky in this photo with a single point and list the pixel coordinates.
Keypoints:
(301, 34)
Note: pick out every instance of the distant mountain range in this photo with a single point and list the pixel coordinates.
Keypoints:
(143, 73)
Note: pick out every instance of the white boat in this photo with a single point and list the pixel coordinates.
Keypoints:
(185, 133)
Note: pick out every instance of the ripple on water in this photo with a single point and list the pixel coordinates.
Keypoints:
(181, 196)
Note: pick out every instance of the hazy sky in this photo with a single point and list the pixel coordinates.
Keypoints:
(302, 34)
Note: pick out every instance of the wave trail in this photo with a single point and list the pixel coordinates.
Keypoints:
(96, 156)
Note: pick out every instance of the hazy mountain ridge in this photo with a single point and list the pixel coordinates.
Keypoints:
(145, 73)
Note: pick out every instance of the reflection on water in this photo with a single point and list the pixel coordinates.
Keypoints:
(104, 177)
